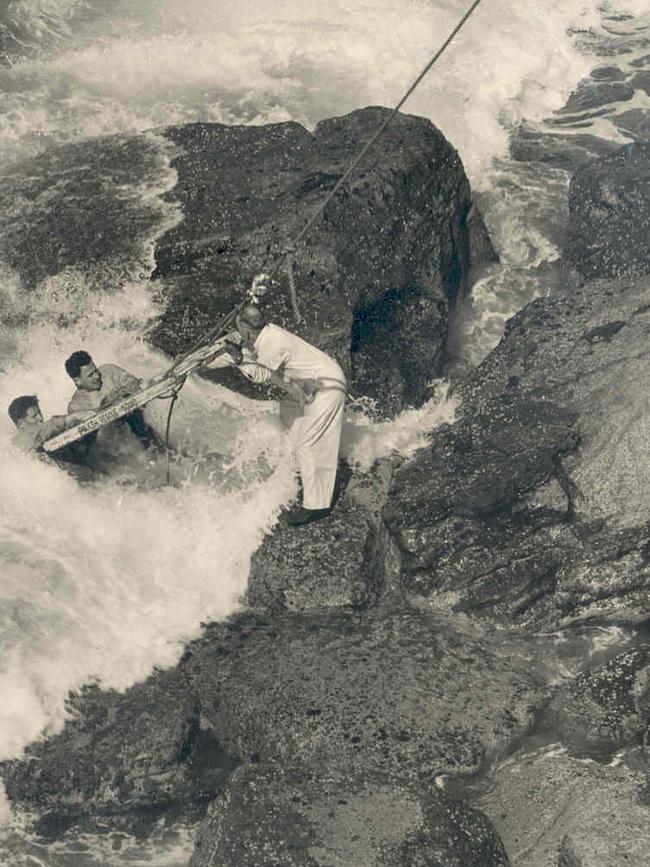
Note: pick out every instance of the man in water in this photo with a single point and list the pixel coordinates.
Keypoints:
(121, 443)
(32, 431)
(312, 407)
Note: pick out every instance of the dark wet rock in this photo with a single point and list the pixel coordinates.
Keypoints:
(377, 275)
(635, 122)
(338, 561)
(609, 207)
(560, 151)
(376, 278)
(515, 513)
(606, 708)
(593, 94)
(285, 817)
(642, 81)
(608, 73)
(554, 811)
(362, 693)
(129, 756)
(81, 210)
(329, 563)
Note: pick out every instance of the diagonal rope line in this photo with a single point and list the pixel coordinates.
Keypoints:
(225, 323)
(378, 133)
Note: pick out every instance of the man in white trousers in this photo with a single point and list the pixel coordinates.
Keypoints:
(312, 407)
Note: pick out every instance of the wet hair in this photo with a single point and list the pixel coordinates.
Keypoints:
(253, 317)
(19, 406)
(76, 361)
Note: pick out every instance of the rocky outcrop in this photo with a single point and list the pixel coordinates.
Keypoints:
(554, 811)
(534, 507)
(129, 757)
(362, 692)
(376, 278)
(377, 275)
(298, 819)
(606, 708)
(338, 562)
(609, 205)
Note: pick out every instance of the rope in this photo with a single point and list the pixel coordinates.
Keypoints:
(380, 130)
(168, 453)
(222, 326)
(292, 289)
(286, 254)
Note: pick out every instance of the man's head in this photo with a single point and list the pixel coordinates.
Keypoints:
(25, 412)
(82, 370)
(249, 324)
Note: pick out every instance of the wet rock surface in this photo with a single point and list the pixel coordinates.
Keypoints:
(297, 819)
(605, 708)
(362, 692)
(554, 811)
(130, 757)
(376, 276)
(380, 655)
(515, 513)
(609, 205)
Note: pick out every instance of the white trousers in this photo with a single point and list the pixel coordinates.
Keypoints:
(315, 435)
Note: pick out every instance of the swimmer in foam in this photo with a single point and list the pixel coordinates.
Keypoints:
(32, 430)
(122, 444)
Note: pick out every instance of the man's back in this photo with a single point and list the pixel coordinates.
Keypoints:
(278, 349)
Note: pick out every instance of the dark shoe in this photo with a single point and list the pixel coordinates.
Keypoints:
(299, 516)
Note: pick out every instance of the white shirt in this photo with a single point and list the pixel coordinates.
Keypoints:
(281, 351)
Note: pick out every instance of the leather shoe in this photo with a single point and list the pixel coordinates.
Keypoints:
(299, 516)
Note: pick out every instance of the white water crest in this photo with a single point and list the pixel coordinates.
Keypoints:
(136, 64)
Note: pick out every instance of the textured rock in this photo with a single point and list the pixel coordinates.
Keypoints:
(339, 561)
(330, 563)
(515, 513)
(592, 94)
(609, 205)
(85, 213)
(568, 151)
(376, 276)
(606, 708)
(131, 755)
(367, 693)
(554, 811)
(289, 818)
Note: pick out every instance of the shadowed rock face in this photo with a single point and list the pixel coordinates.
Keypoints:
(609, 205)
(291, 818)
(375, 277)
(534, 507)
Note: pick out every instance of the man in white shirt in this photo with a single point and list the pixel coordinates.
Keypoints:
(312, 407)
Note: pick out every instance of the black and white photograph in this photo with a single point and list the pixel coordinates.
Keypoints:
(324, 433)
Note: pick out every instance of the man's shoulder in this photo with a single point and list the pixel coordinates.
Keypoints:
(79, 400)
(111, 368)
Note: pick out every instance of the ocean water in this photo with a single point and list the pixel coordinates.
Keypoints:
(102, 583)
